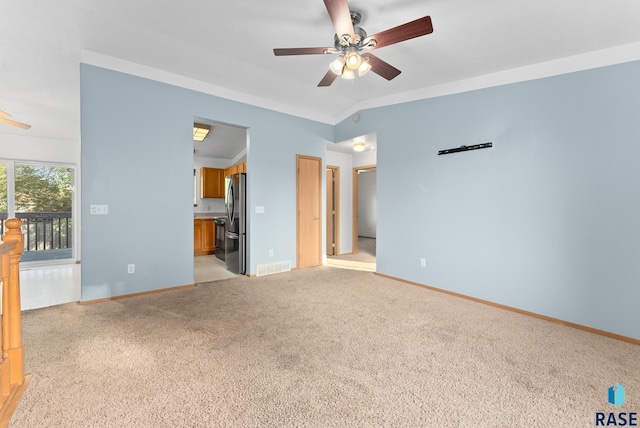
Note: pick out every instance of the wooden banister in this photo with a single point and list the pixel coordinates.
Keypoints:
(12, 379)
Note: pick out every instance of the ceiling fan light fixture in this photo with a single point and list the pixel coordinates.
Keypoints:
(348, 74)
(364, 67)
(353, 60)
(337, 65)
(358, 147)
(200, 131)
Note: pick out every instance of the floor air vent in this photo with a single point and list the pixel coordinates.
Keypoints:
(273, 268)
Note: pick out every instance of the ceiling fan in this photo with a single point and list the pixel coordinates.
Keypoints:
(350, 40)
(3, 119)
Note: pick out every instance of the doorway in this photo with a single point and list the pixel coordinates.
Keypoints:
(364, 209)
(223, 148)
(309, 206)
(364, 223)
(350, 156)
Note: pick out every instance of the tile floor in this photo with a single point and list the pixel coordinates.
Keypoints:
(209, 268)
(42, 286)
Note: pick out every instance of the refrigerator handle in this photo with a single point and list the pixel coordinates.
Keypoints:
(230, 202)
(243, 260)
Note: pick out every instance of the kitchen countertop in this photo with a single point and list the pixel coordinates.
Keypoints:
(208, 215)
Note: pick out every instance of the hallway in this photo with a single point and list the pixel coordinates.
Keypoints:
(365, 259)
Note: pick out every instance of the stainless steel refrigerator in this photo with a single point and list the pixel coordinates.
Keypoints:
(236, 226)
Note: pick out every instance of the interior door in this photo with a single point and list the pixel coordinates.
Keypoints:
(309, 205)
(333, 210)
(330, 214)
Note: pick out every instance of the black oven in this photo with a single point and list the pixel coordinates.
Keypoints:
(220, 232)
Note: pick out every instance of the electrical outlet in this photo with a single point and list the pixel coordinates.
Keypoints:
(423, 262)
(131, 268)
(270, 253)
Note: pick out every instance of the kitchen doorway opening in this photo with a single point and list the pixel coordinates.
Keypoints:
(221, 153)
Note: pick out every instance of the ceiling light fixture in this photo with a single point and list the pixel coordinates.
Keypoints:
(337, 65)
(348, 74)
(200, 131)
(358, 147)
(350, 40)
(364, 67)
(347, 64)
(352, 59)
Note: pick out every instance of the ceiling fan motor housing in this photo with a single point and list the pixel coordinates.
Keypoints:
(343, 42)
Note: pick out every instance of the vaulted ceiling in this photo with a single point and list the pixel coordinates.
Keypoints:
(228, 45)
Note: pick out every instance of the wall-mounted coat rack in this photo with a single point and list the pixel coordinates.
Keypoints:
(465, 148)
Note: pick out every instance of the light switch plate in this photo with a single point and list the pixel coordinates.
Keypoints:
(259, 210)
(99, 209)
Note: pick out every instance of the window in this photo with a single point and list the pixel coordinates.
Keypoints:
(41, 196)
(3, 196)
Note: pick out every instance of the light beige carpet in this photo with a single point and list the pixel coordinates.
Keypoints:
(316, 347)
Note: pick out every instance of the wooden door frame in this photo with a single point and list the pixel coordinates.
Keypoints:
(354, 209)
(336, 197)
(320, 178)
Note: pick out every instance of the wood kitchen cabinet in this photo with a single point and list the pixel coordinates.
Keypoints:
(211, 182)
(239, 167)
(197, 237)
(230, 170)
(204, 236)
(209, 236)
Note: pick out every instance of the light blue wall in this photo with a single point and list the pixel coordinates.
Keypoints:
(546, 221)
(137, 157)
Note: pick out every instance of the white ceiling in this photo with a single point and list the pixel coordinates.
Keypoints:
(370, 143)
(228, 46)
(223, 141)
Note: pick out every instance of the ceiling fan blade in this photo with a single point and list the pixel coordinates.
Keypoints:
(328, 79)
(341, 17)
(302, 51)
(410, 30)
(4, 113)
(14, 123)
(380, 67)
